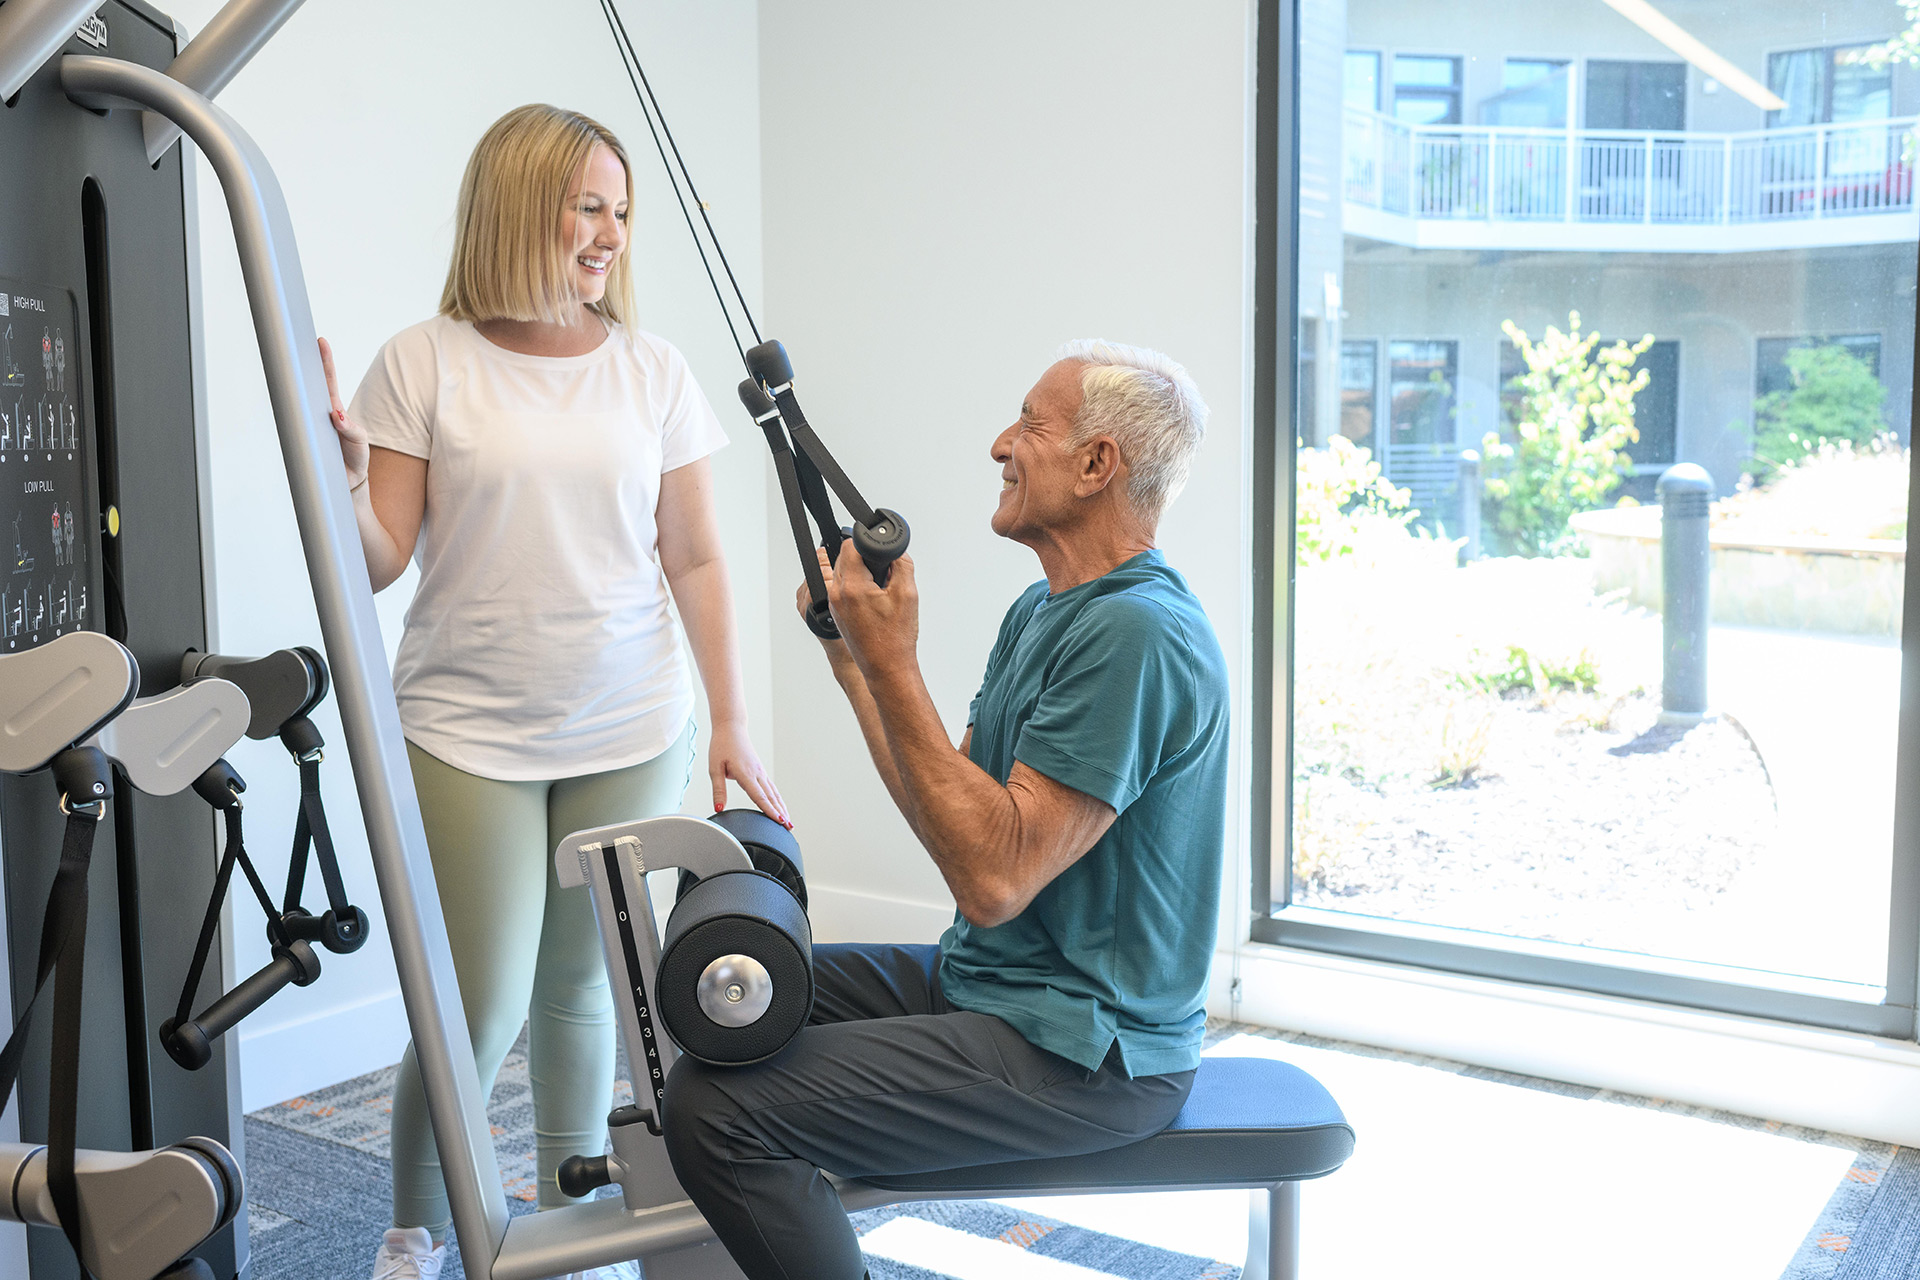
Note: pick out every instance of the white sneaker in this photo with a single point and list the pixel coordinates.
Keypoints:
(408, 1253)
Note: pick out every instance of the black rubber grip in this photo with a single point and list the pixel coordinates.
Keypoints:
(768, 362)
(190, 1043)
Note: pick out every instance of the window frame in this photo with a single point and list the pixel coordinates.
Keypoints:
(1456, 93)
(1273, 919)
(1826, 87)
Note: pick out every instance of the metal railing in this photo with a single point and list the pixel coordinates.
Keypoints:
(1517, 174)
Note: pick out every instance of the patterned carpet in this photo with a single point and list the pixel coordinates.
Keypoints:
(318, 1187)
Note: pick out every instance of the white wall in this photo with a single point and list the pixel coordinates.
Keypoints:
(951, 193)
(368, 111)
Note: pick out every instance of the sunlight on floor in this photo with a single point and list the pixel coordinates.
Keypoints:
(1456, 1176)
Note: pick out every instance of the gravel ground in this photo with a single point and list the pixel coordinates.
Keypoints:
(1586, 822)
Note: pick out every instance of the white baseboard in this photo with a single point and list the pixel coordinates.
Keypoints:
(1842, 1082)
(847, 915)
(293, 1058)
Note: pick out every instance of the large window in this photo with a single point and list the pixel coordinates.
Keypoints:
(1359, 390)
(1829, 86)
(1656, 407)
(1533, 94)
(1420, 378)
(1426, 89)
(1636, 95)
(1360, 83)
(1478, 754)
(1773, 372)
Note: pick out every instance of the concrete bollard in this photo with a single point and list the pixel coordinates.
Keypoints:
(1470, 504)
(1686, 500)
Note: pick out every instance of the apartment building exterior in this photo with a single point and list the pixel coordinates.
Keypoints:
(1462, 165)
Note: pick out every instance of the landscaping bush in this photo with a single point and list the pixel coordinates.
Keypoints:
(1838, 489)
(1343, 502)
(1571, 430)
(1834, 399)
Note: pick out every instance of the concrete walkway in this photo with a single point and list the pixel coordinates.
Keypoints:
(1823, 710)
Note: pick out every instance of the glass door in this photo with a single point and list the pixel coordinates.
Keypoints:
(1480, 750)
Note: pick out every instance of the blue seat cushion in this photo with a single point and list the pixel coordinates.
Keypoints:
(1248, 1122)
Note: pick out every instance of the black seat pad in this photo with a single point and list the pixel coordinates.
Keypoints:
(1248, 1121)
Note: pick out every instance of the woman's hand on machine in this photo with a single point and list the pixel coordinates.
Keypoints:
(879, 625)
(354, 450)
(732, 756)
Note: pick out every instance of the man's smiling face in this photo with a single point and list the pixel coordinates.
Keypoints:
(1038, 471)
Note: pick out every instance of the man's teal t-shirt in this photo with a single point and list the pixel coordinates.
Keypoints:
(1115, 688)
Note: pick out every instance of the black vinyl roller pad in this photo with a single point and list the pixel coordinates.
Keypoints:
(745, 913)
(770, 847)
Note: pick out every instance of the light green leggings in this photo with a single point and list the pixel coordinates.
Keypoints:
(525, 950)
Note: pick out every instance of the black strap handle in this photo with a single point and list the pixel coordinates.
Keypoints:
(84, 772)
(344, 928)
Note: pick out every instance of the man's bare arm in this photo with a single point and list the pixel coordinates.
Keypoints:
(996, 846)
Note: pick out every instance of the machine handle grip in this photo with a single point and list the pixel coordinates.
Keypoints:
(190, 1043)
(882, 542)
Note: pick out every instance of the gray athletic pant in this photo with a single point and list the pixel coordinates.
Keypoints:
(887, 1079)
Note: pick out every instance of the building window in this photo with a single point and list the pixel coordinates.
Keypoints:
(1770, 367)
(1656, 409)
(1533, 95)
(1642, 96)
(1361, 85)
(1359, 387)
(1828, 86)
(1420, 383)
(1426, 89)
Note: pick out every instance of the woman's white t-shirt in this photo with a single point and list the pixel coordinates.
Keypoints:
(539, 644)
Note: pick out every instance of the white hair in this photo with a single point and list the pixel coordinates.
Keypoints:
(1149, 405)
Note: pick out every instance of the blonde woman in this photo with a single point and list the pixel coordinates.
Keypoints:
(547, 465)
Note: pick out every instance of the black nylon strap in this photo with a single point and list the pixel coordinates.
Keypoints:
(63, 943)
(809, 446)
(814, 492)
(235, 854)
(310, 831)
(783, 465)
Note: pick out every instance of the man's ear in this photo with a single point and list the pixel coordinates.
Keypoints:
(1099, 464)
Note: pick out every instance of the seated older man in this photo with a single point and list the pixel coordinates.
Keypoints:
(1080, 825)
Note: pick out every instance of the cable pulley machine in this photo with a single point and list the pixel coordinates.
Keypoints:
(807, 470)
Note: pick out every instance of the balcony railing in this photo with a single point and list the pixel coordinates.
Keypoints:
(1524, 175)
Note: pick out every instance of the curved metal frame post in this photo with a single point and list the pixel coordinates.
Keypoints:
(212, 58)
(283, 321)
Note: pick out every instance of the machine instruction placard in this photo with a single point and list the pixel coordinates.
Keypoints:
(45, 504)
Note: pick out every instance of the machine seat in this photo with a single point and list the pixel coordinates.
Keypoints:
(1249, 1122)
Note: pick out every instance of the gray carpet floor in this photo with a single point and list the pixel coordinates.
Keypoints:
(319, 1187)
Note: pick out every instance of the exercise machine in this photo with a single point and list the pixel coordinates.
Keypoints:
(69, 706)
(729, 977)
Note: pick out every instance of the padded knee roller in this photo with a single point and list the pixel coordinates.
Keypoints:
(736, 964)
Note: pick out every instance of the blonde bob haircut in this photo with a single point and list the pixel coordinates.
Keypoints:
(508, 261)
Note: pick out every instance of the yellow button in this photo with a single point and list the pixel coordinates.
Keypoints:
(113, 522)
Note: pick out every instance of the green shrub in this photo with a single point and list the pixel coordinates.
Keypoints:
(1341, 499)
(1524, 669)
(1834, 398)
(1572, 426)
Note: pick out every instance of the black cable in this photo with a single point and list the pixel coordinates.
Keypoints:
(685, 172)
(613, 25)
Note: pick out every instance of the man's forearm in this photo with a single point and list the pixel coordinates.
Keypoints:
(860, 698)
(967, 822)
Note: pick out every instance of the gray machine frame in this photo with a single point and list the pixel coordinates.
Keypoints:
(653, 1221)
